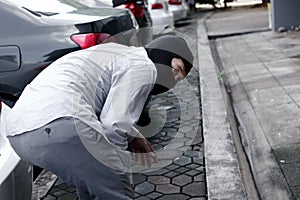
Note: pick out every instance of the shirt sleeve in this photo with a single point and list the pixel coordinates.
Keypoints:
(133, 133)
(125, 102)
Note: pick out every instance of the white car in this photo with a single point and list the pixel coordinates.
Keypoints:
(162, 17)
(15, 174)
(179, 8)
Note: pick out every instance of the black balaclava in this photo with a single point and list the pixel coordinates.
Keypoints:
(161, 51)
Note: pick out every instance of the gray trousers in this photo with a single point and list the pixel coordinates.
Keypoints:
(57, 147)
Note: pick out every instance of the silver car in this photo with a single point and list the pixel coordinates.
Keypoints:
(15, 174)
(162, 17)
(179, 8)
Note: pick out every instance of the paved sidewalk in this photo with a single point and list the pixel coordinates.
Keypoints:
(261, 70)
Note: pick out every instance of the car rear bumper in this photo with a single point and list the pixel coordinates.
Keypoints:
(162, 22)
(178, 13)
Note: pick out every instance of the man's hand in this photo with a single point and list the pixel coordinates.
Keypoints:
(140, 145)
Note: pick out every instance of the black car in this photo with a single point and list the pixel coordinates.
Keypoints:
(32, 39)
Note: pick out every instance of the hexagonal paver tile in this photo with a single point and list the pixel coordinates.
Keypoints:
(192, 172)
(174, 197)
(62, 185)
(143, 198)
(199, 177)
(158, 179)
(165, 138)
(172, 167)
(186, 128)
(154, 195)
(182, 170)
(170, 130)
(157, 146)
(167, 154)
(59, 193)
(167, 189)
(161, 164)
(144, 188)
(49, 197)
(136, 195)
(71, 189)
(69, 196)
(195, 189)
(138, 178)
(176, 145)
(195, 147)
(183, 160)
(181, 180)
(193, 154)
(193, 166)
(171, 174)
(198, 160)
(201, 168)
(154, 141)
(197, 140)
(172, 134)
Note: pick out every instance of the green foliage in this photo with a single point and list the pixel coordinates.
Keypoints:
(222, 75)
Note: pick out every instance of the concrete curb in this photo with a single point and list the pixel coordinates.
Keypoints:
(223, 176)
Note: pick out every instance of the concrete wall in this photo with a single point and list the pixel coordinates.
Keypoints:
(285, 13)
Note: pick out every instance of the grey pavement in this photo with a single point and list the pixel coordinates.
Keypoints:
(260, 70)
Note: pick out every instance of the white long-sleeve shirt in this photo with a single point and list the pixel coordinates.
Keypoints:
(104, 86)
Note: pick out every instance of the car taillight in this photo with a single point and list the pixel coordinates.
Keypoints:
(91, 39)
(157, 6)
(137, 11)
(175, 2)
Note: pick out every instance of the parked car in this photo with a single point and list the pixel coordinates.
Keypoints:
(137, 8)
(162, 17)
(215, 3)
(33, 35)
(179, 8)
(142, 15)
(211, 2)
(15, 174)
(154, 11)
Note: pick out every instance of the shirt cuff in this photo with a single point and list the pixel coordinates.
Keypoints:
(134, 132)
